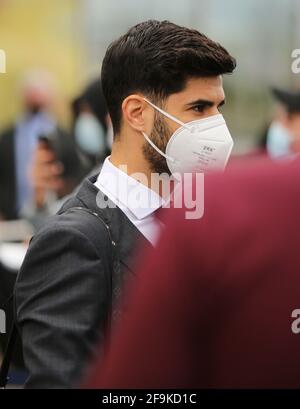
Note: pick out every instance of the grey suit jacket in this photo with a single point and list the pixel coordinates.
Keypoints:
(64, 288)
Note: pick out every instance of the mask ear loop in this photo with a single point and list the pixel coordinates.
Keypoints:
(167, 115)
(172, 119)
(157, 149)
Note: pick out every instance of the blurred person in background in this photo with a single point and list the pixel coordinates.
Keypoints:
(282, 138)
(216, 303)
(18, 145)
(92, 129)
(157, 79)
(55, 160)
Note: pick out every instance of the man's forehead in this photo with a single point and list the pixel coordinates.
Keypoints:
(208, 88)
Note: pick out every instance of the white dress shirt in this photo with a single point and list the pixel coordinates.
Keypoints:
(135, 199)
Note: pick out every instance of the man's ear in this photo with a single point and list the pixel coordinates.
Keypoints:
(137, 113)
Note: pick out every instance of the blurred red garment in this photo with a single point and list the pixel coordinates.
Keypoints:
(212, 305)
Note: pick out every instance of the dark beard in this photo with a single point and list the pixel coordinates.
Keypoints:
(160, 136)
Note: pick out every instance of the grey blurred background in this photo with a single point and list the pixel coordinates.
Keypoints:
(260, 34)
(69, 39)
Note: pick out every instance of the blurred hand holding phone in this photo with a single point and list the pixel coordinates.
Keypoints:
(46, 172)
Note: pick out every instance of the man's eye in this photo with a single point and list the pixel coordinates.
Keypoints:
(198, 108)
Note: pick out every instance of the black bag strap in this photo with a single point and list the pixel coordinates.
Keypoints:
(14, 331)
(113, 252)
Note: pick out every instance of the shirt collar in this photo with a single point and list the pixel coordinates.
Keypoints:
(124, 189)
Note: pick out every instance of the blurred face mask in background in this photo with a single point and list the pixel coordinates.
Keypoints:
(89, 134)
(278, 141)
(197, 146)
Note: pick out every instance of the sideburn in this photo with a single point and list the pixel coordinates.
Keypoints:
(160, 136)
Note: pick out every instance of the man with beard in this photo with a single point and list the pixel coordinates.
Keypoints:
(157, 78)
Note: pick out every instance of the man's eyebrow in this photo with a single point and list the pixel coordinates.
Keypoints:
(205, 103)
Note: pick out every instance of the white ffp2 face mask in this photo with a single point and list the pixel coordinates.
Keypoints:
(197, 146)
